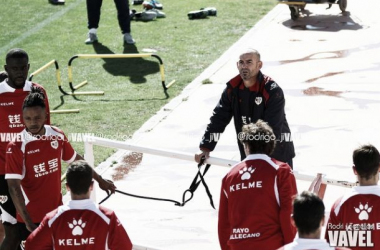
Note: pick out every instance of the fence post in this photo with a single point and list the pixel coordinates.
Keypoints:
(89, 157)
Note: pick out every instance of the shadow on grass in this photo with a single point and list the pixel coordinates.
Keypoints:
(108, 100)
(63, 101)
(135, 68)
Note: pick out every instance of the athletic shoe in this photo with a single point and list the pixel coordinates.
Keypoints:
(211, 11)
(128, 38)
(153, 4)
(147, 5)
(57, 2)
(132, 14)
(146, 15)
(92, 38)
(137, 2)
(197, 14)
(159, 14)
(156, 4)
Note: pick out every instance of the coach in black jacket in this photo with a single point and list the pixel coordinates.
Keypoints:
(248, 97)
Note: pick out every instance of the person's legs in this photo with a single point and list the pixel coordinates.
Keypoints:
(12, 237)
(122, 7)
(123, 17)
(2, 233)
(93, 13)
(8, 216)
(24, 233)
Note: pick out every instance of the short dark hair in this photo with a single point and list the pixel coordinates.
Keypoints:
(16, 53)
(79, 177)
(259, 137)
(366, 160)
(36, 98)
(308, 212)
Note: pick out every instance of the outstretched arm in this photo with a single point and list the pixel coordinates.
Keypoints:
(104, 184)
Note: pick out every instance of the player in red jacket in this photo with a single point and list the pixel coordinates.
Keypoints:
(33, 166)
(356, 215)
(256, 196)
(309, 217)
(14, 87)
(81, 224)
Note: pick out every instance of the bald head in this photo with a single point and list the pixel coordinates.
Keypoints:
(250, 51)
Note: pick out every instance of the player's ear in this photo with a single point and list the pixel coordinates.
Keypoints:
(292, 220)
(322, 221)
(28, 66)
(92, 185)
(67, 187)
(260, 64)
(354, 169)
(46, 115)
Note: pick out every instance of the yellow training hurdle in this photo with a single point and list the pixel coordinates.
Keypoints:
(90, 56)
(58, 76)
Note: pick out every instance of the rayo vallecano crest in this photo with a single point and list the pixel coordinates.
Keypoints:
(258, 100)
(54, 144)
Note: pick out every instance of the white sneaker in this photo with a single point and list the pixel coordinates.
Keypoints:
(92, 38)
(159, 14)
(128, 38)
(146, 15)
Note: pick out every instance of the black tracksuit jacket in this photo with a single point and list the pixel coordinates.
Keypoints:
(267, 102)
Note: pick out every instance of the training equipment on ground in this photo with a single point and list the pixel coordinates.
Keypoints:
(146, 15)
(57, 2)
(153, 4)
(137, 2)
(211, 11)
(159, 13)
(202, 13)
(110, 56)
(58, 76)
(197, 14)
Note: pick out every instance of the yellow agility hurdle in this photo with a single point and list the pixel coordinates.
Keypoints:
(89, 56)
(58, 76)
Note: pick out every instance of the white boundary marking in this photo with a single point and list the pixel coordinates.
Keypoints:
(54, 16)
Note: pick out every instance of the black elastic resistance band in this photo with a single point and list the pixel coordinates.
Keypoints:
(194, 185)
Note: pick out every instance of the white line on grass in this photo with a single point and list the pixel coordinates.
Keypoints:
(39, 26)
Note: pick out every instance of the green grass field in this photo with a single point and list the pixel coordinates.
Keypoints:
(133, 91)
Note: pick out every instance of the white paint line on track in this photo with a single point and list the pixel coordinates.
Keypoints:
(39, 26)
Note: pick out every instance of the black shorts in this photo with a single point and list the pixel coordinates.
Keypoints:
(24, 233)
(8, 210)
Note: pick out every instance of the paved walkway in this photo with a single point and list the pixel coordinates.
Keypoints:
(328, 65)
